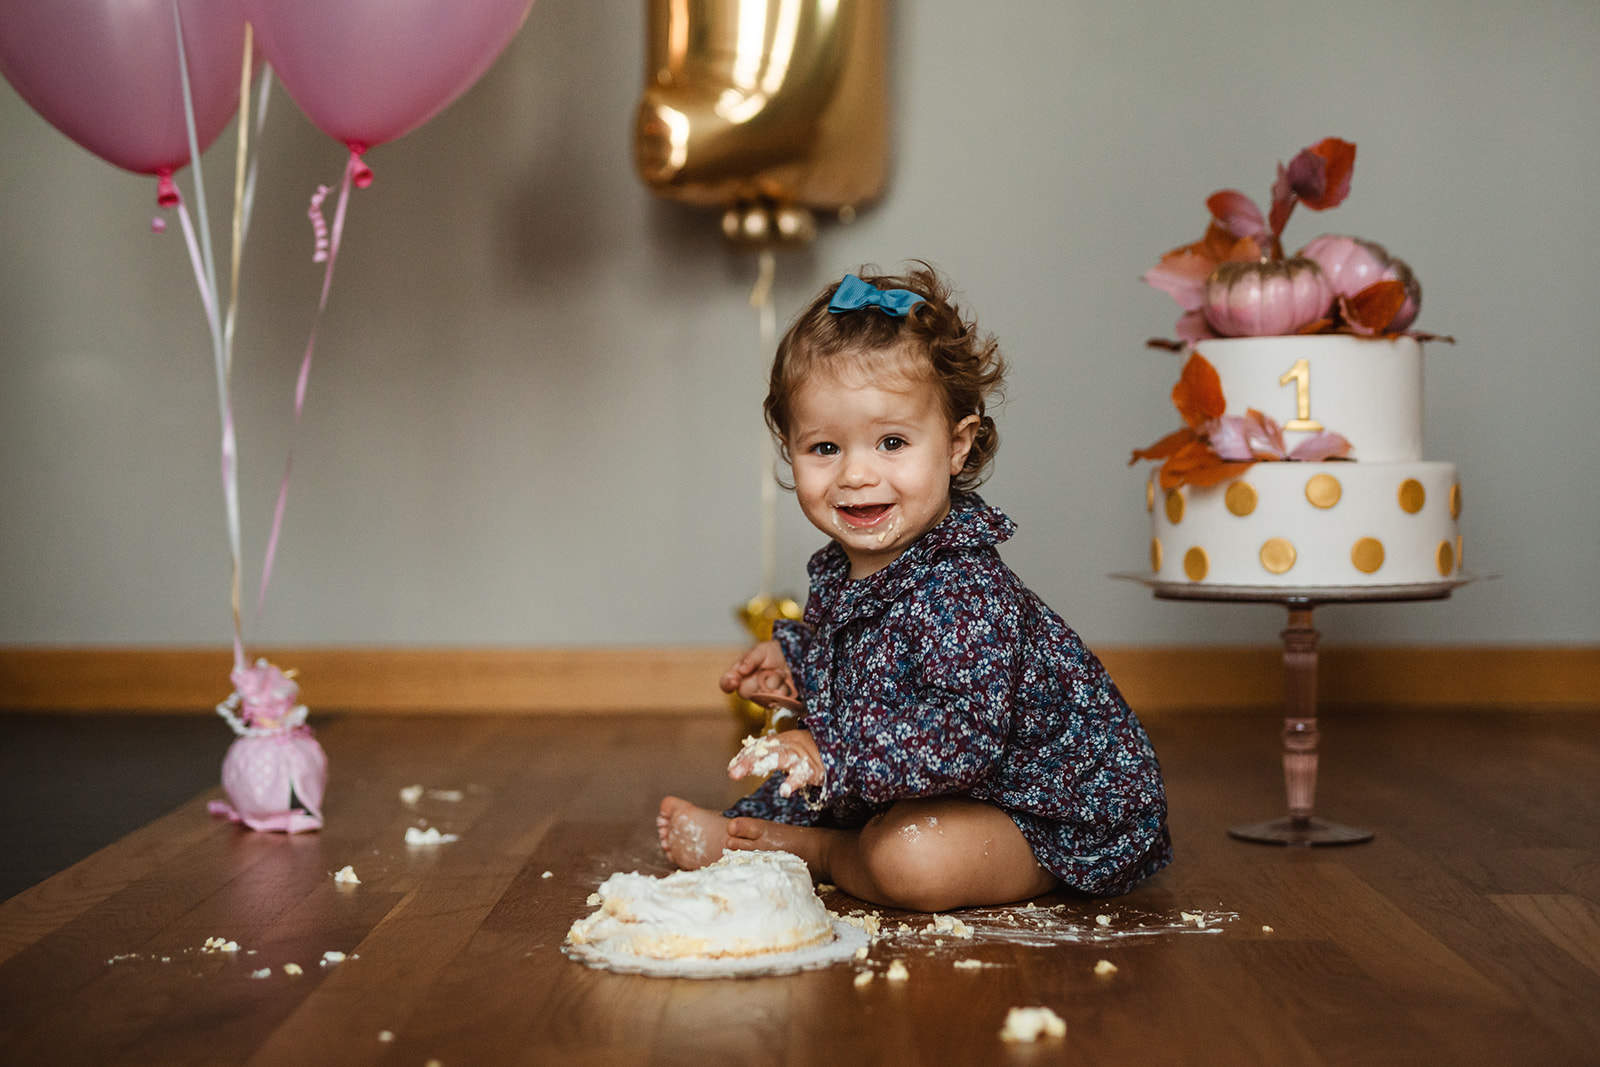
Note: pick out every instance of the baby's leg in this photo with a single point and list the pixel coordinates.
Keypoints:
(937, 853)
(923, 855)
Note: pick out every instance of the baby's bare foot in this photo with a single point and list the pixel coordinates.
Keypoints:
(690, 836)
(808, 842)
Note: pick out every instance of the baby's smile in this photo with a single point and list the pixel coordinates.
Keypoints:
(863, 515)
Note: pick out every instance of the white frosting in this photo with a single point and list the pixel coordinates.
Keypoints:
(1368, 390)
(1418, 547)
(745, 904)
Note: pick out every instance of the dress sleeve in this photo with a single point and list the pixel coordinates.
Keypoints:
(925, 705)
(793, 639)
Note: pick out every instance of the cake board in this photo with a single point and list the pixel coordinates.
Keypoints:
(1299, 826)
(847, 939)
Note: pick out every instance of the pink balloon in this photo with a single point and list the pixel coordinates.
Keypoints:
(105, 72)
(368, 71)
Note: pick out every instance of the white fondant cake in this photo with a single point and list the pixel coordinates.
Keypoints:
(745, 904)
(1387, 518)
(1367, 390)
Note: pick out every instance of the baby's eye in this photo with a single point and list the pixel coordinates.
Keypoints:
(892, 444)
(824, 448)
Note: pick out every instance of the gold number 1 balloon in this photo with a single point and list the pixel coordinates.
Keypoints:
(770, 109)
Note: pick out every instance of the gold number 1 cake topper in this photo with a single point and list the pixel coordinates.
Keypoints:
(1300, 374)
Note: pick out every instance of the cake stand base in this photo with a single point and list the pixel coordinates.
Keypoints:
(1291, 831)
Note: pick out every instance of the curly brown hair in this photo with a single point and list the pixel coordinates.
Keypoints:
(932, 343)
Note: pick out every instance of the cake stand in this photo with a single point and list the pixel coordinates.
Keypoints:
(1299, 827)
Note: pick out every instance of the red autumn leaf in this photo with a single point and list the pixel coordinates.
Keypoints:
(1373, 308)
(1236, 213)
(1338, 161)
(1196, 464)
(1164, 447)
(1198, 394)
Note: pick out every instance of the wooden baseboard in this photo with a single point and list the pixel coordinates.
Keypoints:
(669, 680)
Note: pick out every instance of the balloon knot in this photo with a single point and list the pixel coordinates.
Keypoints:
(360, 173)
(166, 189)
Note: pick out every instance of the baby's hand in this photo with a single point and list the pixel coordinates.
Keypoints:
(760, 671)
(790, 751)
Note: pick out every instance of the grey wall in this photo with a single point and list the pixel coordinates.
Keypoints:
(534, 413)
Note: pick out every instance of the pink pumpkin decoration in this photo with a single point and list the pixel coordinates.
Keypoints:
(1351, 264)
(1265, 298)
(276, 772)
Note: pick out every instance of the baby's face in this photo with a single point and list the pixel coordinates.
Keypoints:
(872, 462)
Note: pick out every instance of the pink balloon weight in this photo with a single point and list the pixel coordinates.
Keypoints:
(367, 71)
(105, 72)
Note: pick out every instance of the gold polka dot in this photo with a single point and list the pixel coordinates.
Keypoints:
(1241, 498)
(1155, 555)
(1149, 496)
(1175, 506)
(1196, 563)
(1367, 555)
(1455, 500)
(1323, 490)
(1412, 496)
(1277, 555)
(1461, 559)
(1446, 558)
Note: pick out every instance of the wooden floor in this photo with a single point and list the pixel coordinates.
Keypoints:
(1467, 932)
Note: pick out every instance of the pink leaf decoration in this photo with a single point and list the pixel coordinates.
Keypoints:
(1192, 326)
(1229, 438)
(1236, 213)
(1337, 161)
(1181, 274)
(1321, 446)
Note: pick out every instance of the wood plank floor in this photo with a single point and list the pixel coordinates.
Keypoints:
(1467, 932)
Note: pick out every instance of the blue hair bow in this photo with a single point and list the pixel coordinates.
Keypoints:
(853, 294)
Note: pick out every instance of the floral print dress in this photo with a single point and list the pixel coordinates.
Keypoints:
(942, 674)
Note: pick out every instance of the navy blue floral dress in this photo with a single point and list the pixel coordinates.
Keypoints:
(942, 674)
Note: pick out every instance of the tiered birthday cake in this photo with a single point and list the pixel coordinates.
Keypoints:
(1300, 462)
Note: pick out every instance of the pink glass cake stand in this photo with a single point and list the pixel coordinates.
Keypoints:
(1299, 827)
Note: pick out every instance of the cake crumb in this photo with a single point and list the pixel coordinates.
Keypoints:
(861, 953)
(220, 944)
(1105, 968)
(593, 900)
(346, 875)
(430, 836)
(862, 978)
(265, 972)
(1194, 917)
(332, 956)
(948, 924)
(1266, 929)
(547, 874)
(1102, 920)
(293, 969)
(411, 794)
(897, 971)
(1030, 1024)
(967, 965)
(386, 1036)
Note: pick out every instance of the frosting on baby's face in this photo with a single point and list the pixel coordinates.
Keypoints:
(872, 460)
